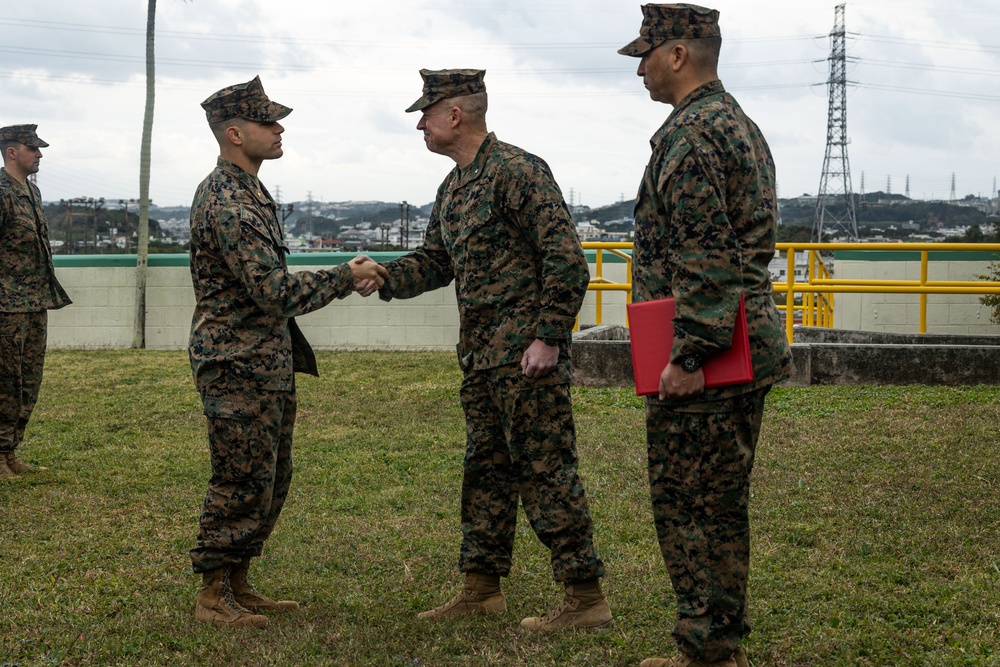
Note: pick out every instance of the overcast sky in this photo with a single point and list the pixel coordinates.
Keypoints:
(924, 105)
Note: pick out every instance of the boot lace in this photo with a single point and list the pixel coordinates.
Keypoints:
(462, 595)
(227, 594)
(555, 612)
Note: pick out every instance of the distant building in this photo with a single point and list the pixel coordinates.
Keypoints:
(588, 231)
(778, 266)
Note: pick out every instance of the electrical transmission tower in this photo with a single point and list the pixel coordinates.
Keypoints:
(835, 183)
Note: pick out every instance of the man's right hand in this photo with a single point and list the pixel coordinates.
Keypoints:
(368, 274)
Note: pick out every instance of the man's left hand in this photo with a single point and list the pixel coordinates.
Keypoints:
(539, 359)
(675, 382)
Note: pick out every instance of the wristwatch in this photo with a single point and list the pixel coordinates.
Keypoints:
(689, 363)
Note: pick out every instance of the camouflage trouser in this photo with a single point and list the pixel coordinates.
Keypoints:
(699, 479)
(250, 440)
(521, 443)
(22, 360)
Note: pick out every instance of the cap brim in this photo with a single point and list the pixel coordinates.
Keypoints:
(275, 111)
(422, 103)
(40, 144)
(639, 46)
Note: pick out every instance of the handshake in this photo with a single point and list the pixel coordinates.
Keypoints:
(369, 275)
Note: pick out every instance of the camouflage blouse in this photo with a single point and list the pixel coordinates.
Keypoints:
(705, 231)
(242, 333)
(501, 230)
(28, 280)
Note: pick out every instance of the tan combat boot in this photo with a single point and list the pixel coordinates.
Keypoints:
(247, 596)
(741, 658)
(16, 465)
(217, 606)
(687, 661)
(584, 606)
(5, 472)
(481, 594)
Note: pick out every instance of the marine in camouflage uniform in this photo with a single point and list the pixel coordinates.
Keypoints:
(705, 232)
(244, 350)
(28, 289)
(501, 231)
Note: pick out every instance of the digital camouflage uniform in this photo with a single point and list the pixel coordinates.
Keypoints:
(244, 349)
(704, 233)
(500, 229)
(28, 290)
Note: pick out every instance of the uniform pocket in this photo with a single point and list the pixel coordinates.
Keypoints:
(233, 436)
(541, 415)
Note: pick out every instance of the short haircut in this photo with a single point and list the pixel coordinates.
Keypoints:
(5, 144)
(704, 52)
(474, 106)
(219, 127)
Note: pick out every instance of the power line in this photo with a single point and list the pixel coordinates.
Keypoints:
(363, 44)
(929, 68)
(954, 46)
(936, 93)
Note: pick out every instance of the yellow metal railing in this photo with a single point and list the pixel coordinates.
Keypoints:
(600, 284)
(817, 293)
(816, 311)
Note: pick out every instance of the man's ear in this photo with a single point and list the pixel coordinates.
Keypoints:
(678, 56)
(455, 115)
(235, 135)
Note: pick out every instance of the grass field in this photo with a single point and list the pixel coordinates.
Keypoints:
(875, 511)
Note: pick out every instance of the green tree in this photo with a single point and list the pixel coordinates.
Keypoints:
(992, 300)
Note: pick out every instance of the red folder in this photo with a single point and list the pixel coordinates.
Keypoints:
(651, 329)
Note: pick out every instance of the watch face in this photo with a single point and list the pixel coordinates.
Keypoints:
(690, 363)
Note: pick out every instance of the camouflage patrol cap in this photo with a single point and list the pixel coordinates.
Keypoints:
(677, 21)
(444, 83)
(244, 100)
(23, 134)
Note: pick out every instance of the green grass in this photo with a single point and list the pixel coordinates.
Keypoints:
(876, 519)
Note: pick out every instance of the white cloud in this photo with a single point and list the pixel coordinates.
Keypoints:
(924, 107)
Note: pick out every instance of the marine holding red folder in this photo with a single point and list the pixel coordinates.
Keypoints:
(651, 324)
(705, 226)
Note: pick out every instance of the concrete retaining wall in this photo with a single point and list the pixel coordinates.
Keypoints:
(103, 293)
(602, 357)
(900, 313)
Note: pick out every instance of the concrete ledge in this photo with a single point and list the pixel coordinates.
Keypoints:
(602, 357)
(941, 364)
(851, 337)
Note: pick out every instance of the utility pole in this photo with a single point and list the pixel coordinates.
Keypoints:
(309, 215)
(97, 203)
(285, 210)
(68, 236)
(71, 213)
(404, 224)
(124, 203)
(835, 182)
